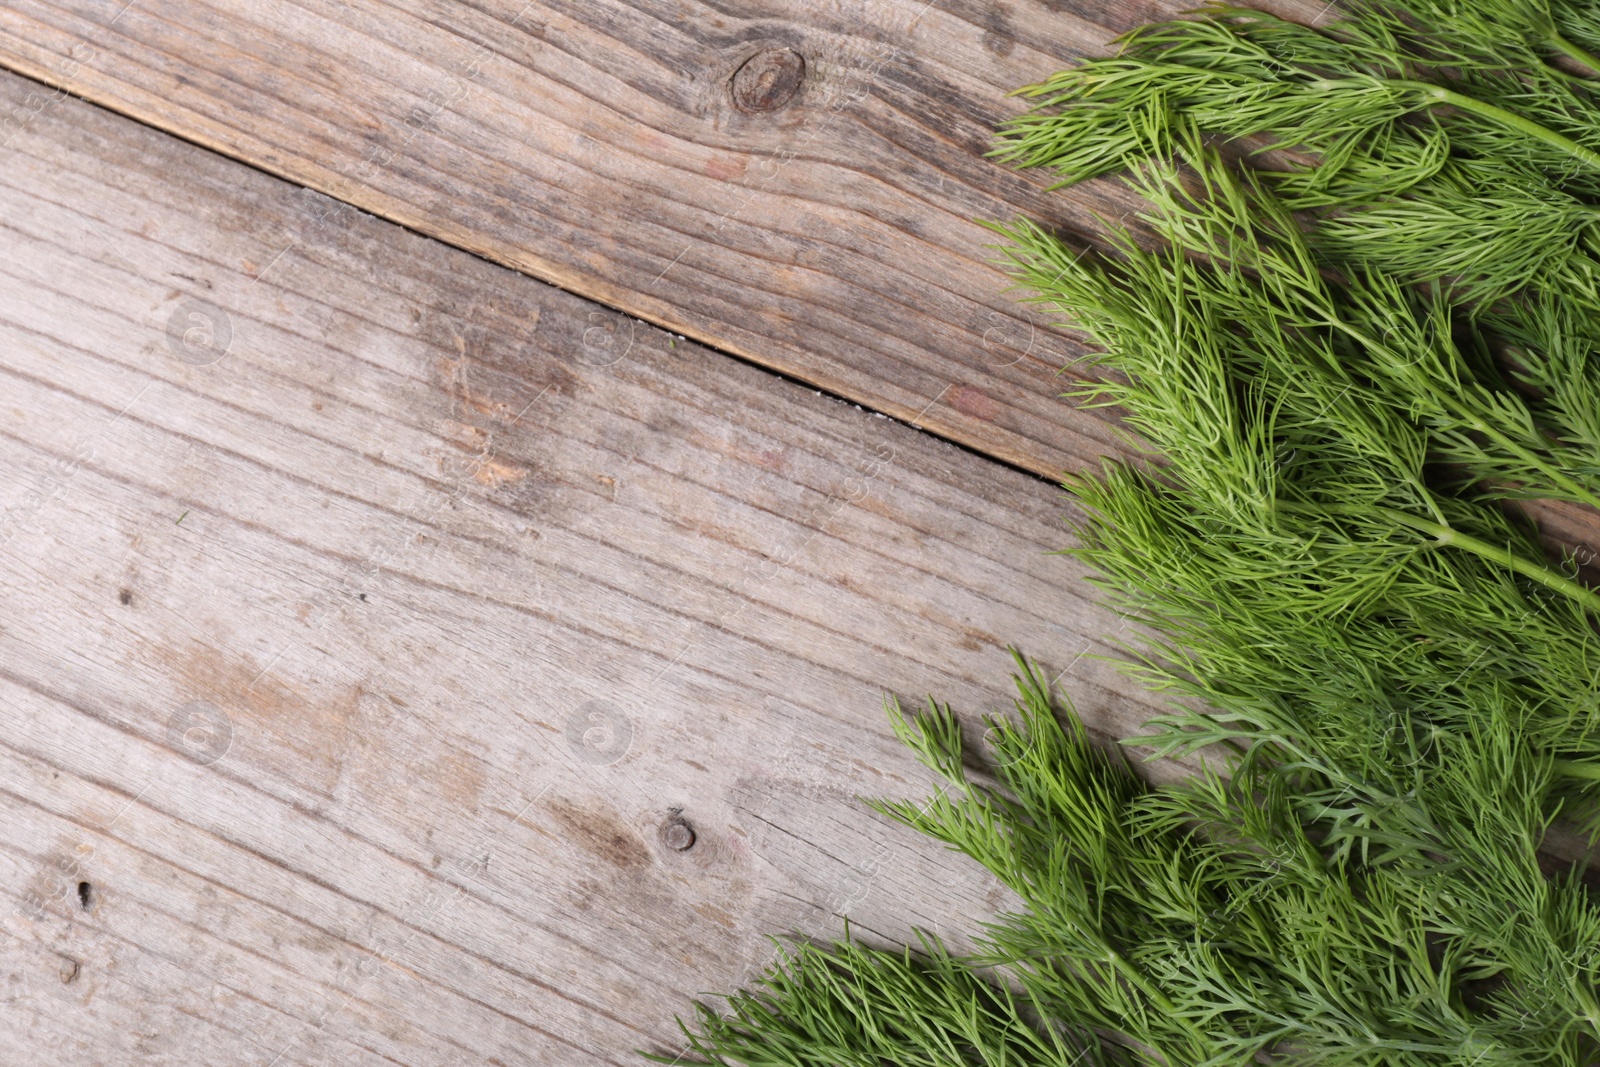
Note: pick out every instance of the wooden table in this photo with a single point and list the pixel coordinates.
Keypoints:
(408, 661)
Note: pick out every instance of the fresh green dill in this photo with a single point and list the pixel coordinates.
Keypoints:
(858, 1007)
(1345, 359)
(1289, 911)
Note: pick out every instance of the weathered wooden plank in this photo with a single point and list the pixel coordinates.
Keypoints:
(370, 617)
(602, 146)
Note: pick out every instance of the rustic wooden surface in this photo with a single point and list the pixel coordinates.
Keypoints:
(373, 611)
(368, 619)
(812, 211)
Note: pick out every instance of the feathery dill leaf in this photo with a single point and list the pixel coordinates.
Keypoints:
(1340, 368)
(1295, 911)
(853, 1006)
(1299, 510)
(1236, 310)
(1443, 160)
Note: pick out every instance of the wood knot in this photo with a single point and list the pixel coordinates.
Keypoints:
(768, 80)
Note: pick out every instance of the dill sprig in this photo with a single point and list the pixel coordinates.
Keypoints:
(1380, 113)
(1431, 137)
(1292, 910)
(1291, 913)
(1342, 368)
(1320, 507)
(1238, 345)
(854, 1006)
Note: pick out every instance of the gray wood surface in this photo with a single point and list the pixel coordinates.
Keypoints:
(370, 615)
(820, 221)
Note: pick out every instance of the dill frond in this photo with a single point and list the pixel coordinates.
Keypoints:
(1342, 371)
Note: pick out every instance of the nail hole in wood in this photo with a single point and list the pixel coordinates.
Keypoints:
(84, 891)
(677, 834)
(768, 80)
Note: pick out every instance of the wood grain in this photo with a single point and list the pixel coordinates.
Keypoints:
(628, 151)
(368, 618)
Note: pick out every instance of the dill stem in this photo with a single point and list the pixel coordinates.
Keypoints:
(1573, 51)
(1510, 119)
(1448, 535)
(1463, 411)
(1134, 977)
(1578, 490)
(1588, 770)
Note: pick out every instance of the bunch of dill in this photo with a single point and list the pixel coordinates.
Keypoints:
(1346, 358)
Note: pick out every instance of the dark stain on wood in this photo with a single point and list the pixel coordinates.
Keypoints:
(597, 831)
(998, 38)
(1118, 17)
(299, 731)
(973, 402)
